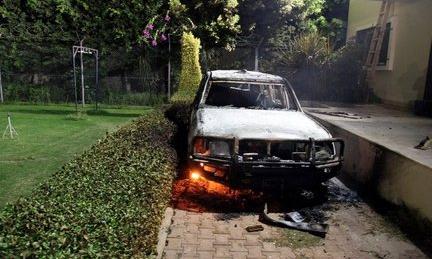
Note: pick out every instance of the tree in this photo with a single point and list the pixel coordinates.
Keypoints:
(27, 31)
(216, 23)
(336, 15)
(264, 18)
(103, 24)
(52, 26)
(280, 20)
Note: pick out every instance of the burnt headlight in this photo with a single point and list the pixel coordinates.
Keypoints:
(200, 147)
(324, 152)
(212, 147)
(219, 148)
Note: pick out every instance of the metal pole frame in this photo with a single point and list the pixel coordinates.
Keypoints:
(1, 87)
(74, 79)
(84, 50)
(97, 78)
(82, 76)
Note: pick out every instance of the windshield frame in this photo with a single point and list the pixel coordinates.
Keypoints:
(290, 97)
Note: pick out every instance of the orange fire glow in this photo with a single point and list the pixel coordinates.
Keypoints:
(195, 176)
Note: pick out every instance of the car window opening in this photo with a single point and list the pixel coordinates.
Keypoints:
(264, 96)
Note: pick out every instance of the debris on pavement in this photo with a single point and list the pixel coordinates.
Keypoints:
(354, 116)
(295, 216)
(355, 226)
(425, 144)
(316, 229)
(254, 228)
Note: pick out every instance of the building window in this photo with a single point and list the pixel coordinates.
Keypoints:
(364, 38)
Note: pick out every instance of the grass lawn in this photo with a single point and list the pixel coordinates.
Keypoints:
(47, 139)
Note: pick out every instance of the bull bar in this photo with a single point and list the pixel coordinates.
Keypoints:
(309, 170)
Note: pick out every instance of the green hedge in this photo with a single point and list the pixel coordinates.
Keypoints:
(24, 92)
(108, 202)
(146, 99)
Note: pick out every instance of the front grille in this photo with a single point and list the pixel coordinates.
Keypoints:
(283, 150)
(253, 148)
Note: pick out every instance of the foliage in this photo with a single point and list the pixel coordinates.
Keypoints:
(36, 36)
(336, 17)
(39, 95)
(317, 71)
(176, 7)
(216, 23)
(304, 50)
(156, 30)
(280, 20)
(108, 202)
(145, 99)
(263, 19)
(103, 24)
(217, 58)
(190, 75)
(302, 59)
(343, 74)
(24, 92)
(46, 94)
(179, 113)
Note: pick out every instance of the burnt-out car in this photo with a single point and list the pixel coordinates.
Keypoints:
(247, 129)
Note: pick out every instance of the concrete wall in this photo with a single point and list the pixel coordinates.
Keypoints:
(404, 80)
(394, 177)
(405, 182)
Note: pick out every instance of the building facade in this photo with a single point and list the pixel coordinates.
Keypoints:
(404, 74)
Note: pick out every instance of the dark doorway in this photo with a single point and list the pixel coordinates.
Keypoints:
(424, 107)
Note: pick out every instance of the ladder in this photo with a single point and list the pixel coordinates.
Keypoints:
(377, 40)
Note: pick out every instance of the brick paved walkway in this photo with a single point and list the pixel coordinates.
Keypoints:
(355, 232)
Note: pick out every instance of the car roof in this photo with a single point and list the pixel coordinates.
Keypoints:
(244, 75)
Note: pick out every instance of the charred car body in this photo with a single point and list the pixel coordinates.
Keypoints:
(248, 129)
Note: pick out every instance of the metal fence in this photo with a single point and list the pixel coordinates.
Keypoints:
(140, 77)
(46, 75)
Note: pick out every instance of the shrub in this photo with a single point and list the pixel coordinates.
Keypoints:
(34, 93)
(304, 50)
(76, 116)
(343, 75)
(39, 95)
(303, 58)
(146, 99)
(317, 71)
(179, 114)
(15, 92)
(108, 202)
(190, 75)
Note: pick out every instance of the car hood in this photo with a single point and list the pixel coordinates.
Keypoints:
(257, 124)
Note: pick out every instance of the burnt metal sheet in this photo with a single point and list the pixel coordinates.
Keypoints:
(244, 75)
(257, 124)
(313, 228)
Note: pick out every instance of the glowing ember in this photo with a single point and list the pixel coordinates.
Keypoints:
(195, 176)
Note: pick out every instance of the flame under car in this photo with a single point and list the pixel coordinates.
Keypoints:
(247, 129)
